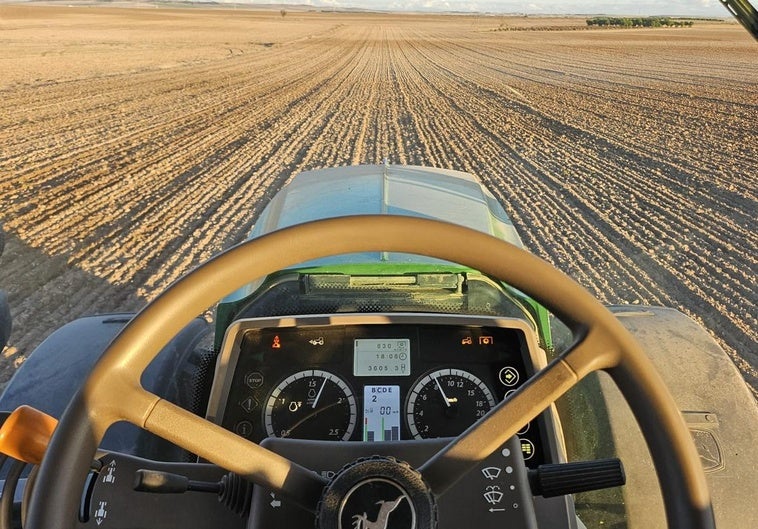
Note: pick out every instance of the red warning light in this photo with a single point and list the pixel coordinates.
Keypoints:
(276, 344)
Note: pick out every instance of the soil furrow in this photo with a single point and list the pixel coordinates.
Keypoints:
(629, 165)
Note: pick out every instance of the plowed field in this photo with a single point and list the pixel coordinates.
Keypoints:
(134, 144)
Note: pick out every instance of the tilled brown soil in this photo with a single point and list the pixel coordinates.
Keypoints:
(136, 143)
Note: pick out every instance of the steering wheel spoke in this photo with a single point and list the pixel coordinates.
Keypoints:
(500, 424)
(121, 398)
(247, 459)
(589, 353)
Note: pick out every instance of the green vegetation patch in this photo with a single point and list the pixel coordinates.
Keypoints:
(646, 22)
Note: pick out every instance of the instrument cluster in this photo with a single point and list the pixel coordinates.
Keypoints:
(369, 378)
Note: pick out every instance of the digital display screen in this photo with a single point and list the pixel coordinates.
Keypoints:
(381, 413)
(382, 357)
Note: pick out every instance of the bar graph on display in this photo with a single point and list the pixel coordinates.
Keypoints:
(381, 413)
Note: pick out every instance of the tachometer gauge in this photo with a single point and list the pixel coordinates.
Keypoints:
(311, 404)
(446, 402)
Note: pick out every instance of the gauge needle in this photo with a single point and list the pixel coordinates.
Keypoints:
(318, 395)
(444, 397)
(312, 415)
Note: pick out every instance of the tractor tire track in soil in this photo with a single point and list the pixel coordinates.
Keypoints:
(626, 166)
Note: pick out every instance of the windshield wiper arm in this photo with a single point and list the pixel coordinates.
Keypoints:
(745, 13)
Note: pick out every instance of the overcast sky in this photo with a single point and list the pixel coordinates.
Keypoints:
(707, 8)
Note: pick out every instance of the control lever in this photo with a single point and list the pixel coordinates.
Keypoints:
(168, 483)
(26, 433)
(568, 478)
(232, 490)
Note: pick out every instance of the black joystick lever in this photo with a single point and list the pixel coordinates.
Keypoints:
(232, 490)
(569, 478)
(168, 483)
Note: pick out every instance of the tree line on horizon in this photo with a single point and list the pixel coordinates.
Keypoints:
(646, 22)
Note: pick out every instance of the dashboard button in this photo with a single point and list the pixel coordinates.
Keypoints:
(254, 379)
(249, 404)
(509, 376)
(527, 449)
(244, 428)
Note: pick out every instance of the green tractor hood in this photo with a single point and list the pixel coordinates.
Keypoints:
(443, 194)
(414, 191)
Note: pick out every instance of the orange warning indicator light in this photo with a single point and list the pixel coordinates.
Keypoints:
(277, 343)
(486, 340)
(467, 341)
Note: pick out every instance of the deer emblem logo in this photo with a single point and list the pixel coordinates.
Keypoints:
(361, 521)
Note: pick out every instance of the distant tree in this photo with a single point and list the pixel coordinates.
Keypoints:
(649, 22)
(283, 12)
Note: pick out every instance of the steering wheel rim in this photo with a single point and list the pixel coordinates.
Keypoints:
(113, 392)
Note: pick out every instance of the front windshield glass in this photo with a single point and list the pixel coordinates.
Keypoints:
(140, 139)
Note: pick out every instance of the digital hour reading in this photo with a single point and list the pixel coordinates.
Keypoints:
(382, 357)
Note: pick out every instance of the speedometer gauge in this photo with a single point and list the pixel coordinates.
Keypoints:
(311, 404)
(445, 402)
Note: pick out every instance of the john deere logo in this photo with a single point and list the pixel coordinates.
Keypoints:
(377, 504)
(708, 447)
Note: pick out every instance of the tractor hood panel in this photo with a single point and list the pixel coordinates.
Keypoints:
(442, 194)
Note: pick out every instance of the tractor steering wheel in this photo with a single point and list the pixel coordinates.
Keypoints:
(113, 392)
